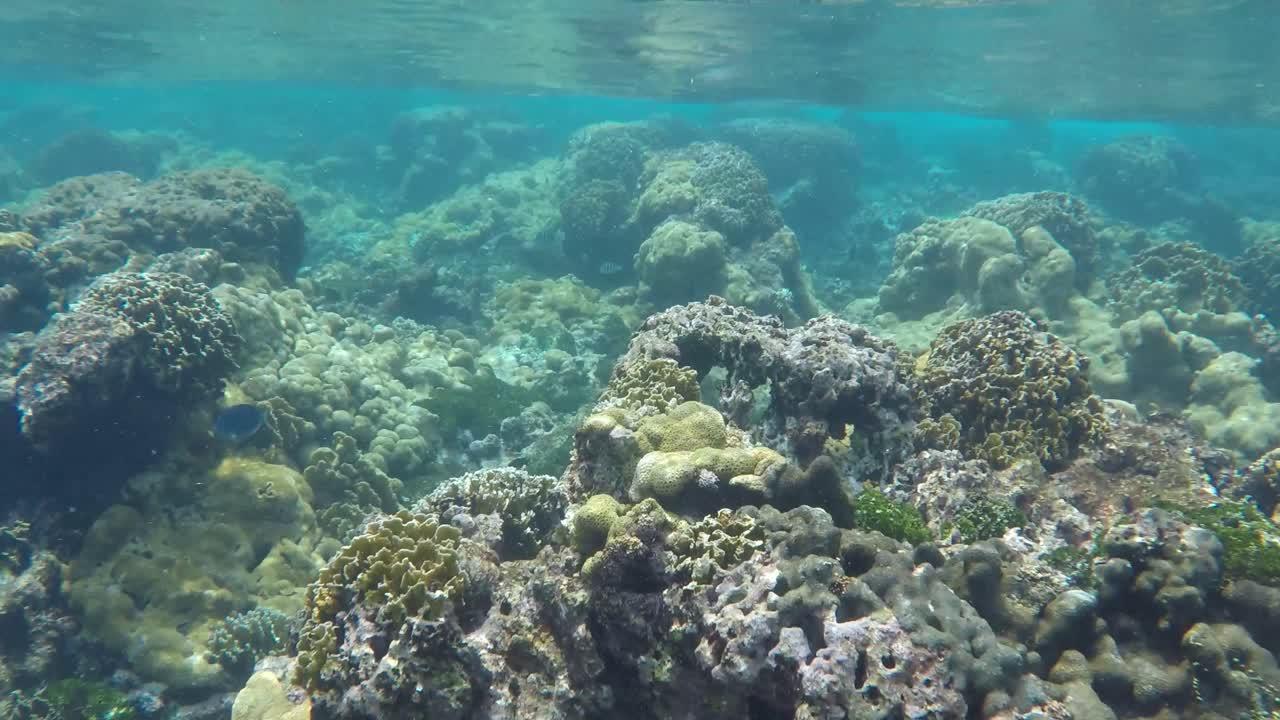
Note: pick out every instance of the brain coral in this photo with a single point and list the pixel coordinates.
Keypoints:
(132, 337)
(1013, 390)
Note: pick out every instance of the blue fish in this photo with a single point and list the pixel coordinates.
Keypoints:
(238, 423)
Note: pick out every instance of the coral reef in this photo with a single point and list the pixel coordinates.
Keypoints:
(1259, 271)
(1141, 177)
(825, 379)
(433, 151)
(688, 222)
(539, 433)
(1176, 276)
(88, 151)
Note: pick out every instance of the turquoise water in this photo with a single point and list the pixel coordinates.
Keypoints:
(641, 360)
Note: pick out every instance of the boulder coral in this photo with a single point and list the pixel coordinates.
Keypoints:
(972, 265)
(1065, 217)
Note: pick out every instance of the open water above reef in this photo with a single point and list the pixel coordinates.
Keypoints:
(639, 360)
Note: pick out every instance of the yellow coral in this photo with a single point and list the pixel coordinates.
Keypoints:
(650, 386)
(19, 240)
(687, 426)
(593, 521)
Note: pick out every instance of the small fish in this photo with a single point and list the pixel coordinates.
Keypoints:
(610, 268)
(239, 423)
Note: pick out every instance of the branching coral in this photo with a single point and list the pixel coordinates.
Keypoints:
(244, 638)
(1014, 390)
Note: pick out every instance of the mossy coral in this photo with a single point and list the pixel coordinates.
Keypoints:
(1250, 542)
(78, 699)
(1014, 390)
(980, 518)
(875, 511)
